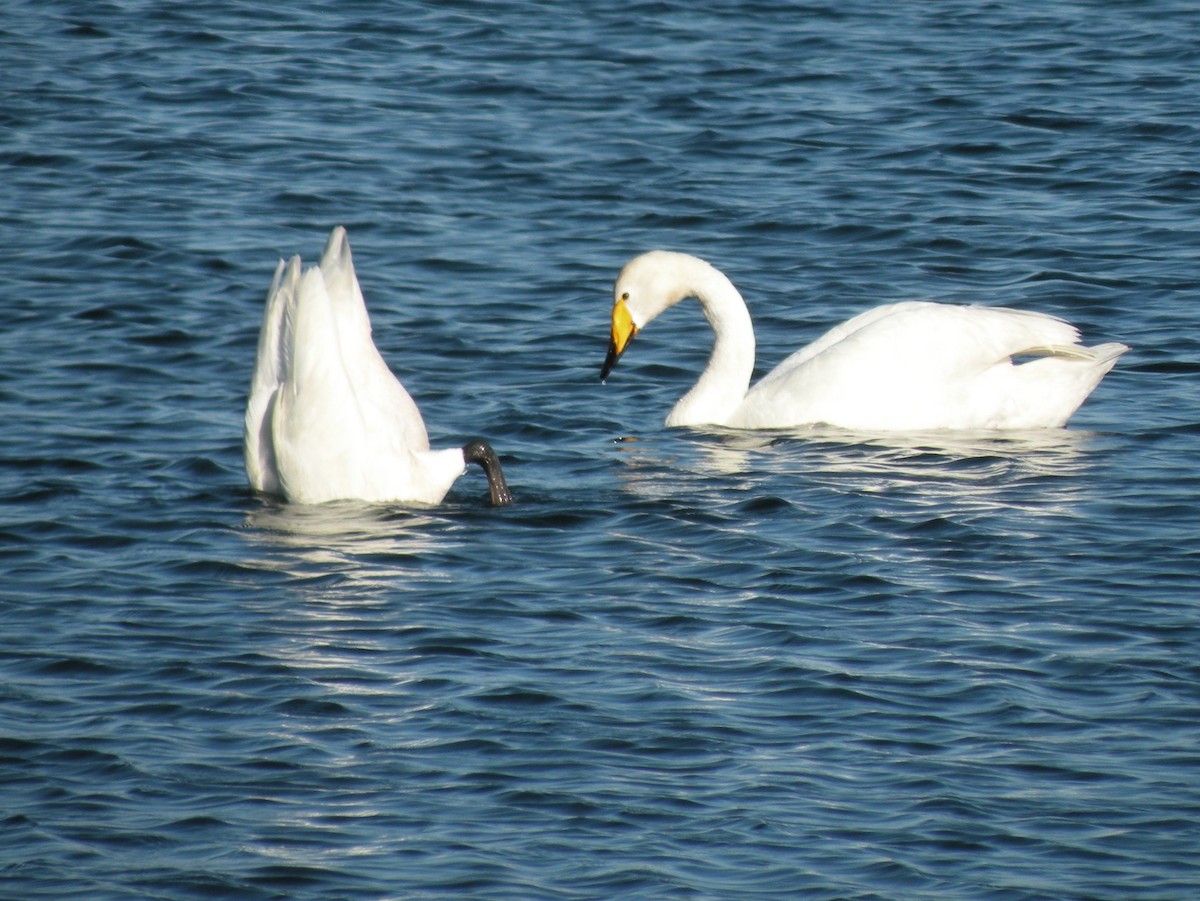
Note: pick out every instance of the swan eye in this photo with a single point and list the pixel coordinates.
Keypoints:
(625, 297)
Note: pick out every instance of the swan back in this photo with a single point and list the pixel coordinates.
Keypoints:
(919, 365)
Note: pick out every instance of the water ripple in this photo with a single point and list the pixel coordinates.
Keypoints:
(694, 664)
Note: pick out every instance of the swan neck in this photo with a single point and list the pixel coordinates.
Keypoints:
(722, 386)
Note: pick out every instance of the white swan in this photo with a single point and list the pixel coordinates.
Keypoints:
(904, 366)
(326, 419)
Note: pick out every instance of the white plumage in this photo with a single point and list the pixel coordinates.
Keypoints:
(326, 418)
(904, 366)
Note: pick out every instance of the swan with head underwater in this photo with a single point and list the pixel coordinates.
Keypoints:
(910, 366)
(326, 419)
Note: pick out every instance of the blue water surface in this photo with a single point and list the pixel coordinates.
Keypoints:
(685, 664)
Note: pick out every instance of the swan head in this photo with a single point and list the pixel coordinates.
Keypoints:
(648, 285)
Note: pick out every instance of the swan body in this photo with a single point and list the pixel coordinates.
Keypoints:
(905, 366)
(326, 419)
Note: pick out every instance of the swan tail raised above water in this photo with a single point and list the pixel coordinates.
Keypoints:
(376, 391)
(270, 363)
(327, 419)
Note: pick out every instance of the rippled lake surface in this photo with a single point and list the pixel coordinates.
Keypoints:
(685, 664)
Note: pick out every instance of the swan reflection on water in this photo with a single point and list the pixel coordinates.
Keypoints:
(359, 542)
(1026, 469)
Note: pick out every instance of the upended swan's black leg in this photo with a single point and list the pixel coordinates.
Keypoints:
(479, 451)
